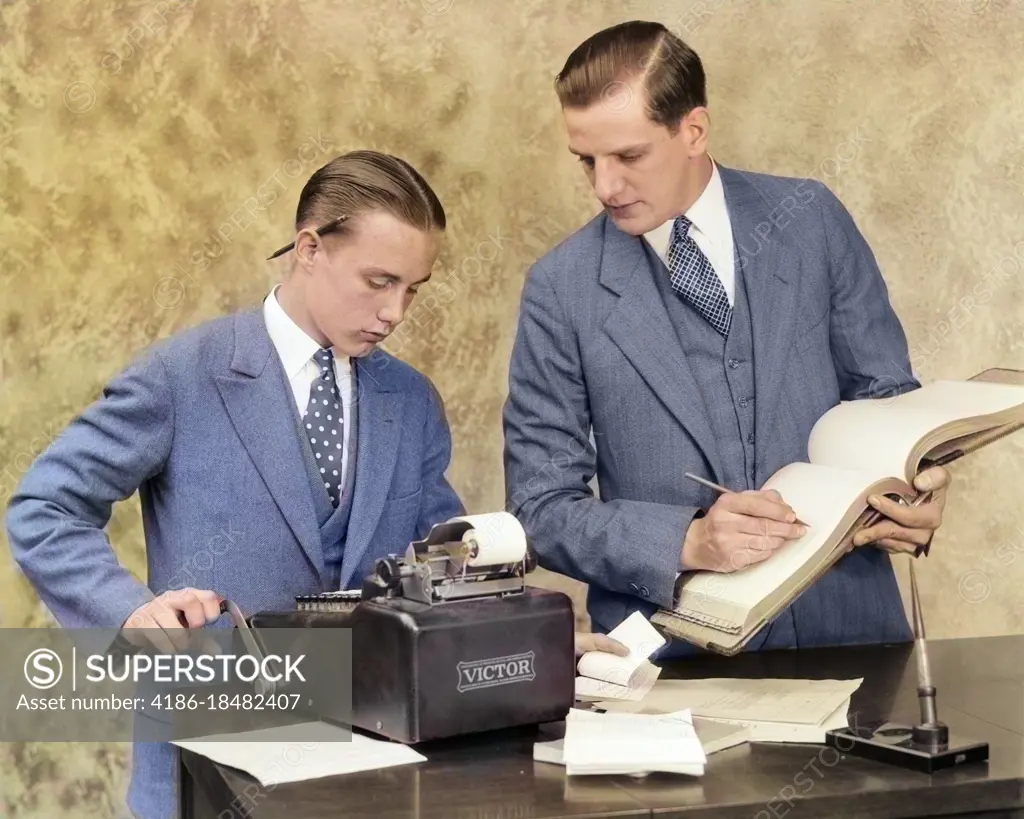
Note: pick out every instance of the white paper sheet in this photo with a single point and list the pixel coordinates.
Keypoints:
(806, 702)
(295, 753)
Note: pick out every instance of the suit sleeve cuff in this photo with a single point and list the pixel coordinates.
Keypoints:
(682, 565)
(683, 568)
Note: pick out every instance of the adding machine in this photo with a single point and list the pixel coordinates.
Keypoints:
(446, 639)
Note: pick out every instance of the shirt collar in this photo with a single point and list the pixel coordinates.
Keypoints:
(709, 214)
(294, 346)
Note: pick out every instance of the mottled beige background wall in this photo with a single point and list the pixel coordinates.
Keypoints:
(153, 153)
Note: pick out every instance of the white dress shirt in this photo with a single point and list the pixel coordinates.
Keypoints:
(711, 229)
(295, 350)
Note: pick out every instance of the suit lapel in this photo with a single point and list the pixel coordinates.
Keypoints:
(380, 416)
(771, 274)
(262, 411)
(639, 325)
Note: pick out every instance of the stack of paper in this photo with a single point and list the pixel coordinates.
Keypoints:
(294, 753)
(774, 710)
(596, 743)
(714, 736)
(608, 676)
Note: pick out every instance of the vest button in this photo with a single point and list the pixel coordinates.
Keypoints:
(750, 438)
(744, 402)
(733, 363)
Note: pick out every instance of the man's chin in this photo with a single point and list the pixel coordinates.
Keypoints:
(632, 221)
(356, 348)
(634, 226)
(363, 349)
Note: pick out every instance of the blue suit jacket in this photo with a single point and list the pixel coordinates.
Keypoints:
(599, 386)
(203, 426)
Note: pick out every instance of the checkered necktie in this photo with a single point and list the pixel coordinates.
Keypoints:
(694, 278)
(324, 423)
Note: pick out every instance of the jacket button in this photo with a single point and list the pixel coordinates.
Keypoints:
(644, 591)
(633, 588)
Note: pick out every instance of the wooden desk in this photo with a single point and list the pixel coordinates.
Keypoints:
(980, 693)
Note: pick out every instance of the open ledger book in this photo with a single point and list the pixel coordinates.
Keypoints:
(856, 449)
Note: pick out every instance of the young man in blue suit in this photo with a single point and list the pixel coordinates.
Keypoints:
(701, 323)
(277, 452)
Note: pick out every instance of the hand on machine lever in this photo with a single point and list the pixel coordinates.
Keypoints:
(162, 621)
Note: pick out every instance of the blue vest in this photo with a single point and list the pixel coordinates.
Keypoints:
(333, 523)
(724, 371)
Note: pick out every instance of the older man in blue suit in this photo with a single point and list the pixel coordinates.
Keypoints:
(701, 323)
(276, 451)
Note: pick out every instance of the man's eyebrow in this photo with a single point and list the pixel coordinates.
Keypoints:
(391, 277)
(633, 149)
(379, 271)
(628, 149)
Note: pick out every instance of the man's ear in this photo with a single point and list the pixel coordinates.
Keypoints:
(696, 129)
(307, 245)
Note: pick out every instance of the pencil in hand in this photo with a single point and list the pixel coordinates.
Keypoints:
(721, 489)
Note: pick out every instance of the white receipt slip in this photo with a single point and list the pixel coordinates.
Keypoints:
(607, 676)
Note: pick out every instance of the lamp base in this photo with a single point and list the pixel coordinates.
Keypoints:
(894, 744)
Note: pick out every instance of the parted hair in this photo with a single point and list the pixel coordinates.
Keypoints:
(360, 181)
(670, 72)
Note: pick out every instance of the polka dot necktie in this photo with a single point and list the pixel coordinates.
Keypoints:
(694, 278)
(325, 425)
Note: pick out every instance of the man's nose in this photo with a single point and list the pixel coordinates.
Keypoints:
(393, 310)
(607, 182)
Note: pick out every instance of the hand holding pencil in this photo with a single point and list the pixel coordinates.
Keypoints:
(739, 529)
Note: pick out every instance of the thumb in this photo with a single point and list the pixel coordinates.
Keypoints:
(933, 480)
(612, 646)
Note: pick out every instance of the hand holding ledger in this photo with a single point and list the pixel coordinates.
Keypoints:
(909, 528)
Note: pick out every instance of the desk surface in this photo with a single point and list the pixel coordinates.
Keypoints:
(980, 694)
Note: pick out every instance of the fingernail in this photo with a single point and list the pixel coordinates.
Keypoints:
(924, 482)
(790, 517)
(803, 530)
(858, 540)
(873, 500)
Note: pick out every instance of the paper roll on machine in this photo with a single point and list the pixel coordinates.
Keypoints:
(447, 638)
